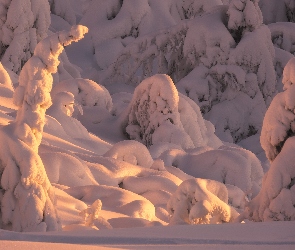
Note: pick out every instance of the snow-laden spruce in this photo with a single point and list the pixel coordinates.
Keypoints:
(158, 114)
(276, 199)
(23, 24)
(278, 122)
(28, 200)
(229, 80)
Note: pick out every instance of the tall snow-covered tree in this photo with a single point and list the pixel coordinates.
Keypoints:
(276, 199)
(28, 199)
(23, 24)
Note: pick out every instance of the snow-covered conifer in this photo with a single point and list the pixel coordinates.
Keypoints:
(158, 114)
(244, 15)
(19, 36)
(276, 199)
(278, 124)
(229, 75)
(28, 200)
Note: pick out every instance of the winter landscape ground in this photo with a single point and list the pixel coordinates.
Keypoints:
(139, 124)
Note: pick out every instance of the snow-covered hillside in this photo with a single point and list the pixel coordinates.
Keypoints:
(147, 114)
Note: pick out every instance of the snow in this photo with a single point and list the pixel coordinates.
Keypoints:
(126, 139)
(263, 236)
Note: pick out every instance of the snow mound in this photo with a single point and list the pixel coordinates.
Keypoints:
(200, 201)
(131, 151)
(229, 165)
(93, 97)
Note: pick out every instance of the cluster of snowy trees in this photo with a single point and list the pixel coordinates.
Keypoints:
(217, 55)
(186, 60)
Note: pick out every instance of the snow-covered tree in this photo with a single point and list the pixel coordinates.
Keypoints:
(279, 124)
(229, 80)
(93, 97)
(158, 114)
(276, 200)
(121, 22)
(244, 15)
(23, 24)
(200, 201)
(28, 199)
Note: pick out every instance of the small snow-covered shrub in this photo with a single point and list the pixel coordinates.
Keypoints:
(93, 97)
(200, 201)
(115, 199)
(244, 15)
(86, 92)
(62, 110)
